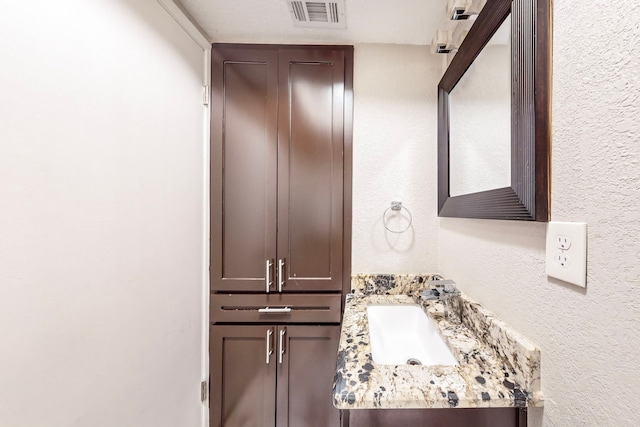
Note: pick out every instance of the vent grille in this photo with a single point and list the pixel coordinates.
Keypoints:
(333, 8)
(318, 14)
(298, 11)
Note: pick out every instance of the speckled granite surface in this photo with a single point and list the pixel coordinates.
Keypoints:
(498, 367)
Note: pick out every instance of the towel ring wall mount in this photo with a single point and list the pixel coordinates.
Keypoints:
(396, 207)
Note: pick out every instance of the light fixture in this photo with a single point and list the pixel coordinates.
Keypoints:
(453, 28)
(440, 41)
(457, 9)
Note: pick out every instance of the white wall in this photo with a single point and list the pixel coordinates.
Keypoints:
(590, 339)
(395, 126)
(101, 214)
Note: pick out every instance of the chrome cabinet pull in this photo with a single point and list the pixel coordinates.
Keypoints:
(267, 274)
(275, 310)
(280, 274)
(269, 349)
(283, 331)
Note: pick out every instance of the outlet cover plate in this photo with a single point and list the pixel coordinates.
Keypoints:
(567, 262)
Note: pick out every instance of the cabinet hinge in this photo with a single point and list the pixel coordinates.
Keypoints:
(203, 391)
(205, 96)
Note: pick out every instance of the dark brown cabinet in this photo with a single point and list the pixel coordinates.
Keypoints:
(441, 417)
(277, 168)
(273, 375)
(280, 231)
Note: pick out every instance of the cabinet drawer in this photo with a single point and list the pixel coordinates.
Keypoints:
(275, 308)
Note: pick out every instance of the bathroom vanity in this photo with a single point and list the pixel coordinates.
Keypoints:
(497, 375)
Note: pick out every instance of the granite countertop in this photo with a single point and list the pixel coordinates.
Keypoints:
(498, 367)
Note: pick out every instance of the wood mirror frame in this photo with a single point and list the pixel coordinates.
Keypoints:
(528, 196)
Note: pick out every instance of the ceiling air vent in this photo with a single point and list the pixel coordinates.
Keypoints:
(317, 14)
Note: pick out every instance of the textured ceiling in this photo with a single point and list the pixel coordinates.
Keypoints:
(368, 21)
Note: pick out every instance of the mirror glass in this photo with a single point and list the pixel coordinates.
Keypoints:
(498, 177)
(480, 120)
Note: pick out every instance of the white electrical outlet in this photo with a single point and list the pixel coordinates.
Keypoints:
(563, 242)
(567, 252)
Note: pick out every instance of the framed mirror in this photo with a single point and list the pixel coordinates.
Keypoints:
(494, 116)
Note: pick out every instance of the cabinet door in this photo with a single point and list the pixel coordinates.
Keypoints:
(306, 367)
(440, 417)
(243, 168)
(243, 384)
(310, 168)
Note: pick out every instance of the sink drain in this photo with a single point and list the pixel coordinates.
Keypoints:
(413, 361)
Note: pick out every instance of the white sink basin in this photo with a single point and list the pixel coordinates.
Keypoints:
(401, 334)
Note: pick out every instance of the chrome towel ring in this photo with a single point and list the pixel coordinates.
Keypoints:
(397, 207)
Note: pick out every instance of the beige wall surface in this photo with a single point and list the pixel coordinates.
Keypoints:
(101, 215)
(394, 152)
(590, 338)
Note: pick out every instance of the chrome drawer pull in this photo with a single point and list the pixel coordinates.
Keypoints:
(267, 274)
(282, 349)
(269, 350)
(274, 310)
(280, 274)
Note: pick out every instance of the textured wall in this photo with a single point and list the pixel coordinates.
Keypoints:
(394, 157)
(590, 339)
(101, 183)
